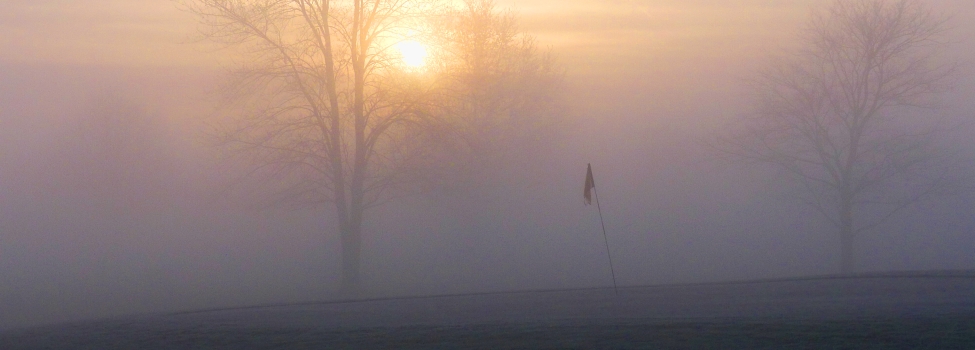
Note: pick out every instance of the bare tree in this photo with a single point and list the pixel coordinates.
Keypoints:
(499, 95)
(843, 113)
(324, 111)
(321, 106)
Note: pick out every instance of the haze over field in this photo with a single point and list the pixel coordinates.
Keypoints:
(112, 202)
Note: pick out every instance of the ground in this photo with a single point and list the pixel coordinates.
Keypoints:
(885, 311)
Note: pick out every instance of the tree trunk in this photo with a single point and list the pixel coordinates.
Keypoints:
(351, 256)
(352, 230)
(846, 237)
(352, 238)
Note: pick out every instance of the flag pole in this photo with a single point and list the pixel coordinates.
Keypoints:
(606, 240)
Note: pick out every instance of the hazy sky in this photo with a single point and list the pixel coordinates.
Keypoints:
(589, 34)
(648, 81)
(155, 32)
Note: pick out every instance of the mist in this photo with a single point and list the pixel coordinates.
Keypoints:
(112, 202)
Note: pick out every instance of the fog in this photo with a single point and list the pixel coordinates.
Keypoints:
(112, 202)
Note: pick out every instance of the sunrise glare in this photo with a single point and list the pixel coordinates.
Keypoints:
(413, 53)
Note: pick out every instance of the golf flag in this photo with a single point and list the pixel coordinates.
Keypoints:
(587, 193)
(590, 184)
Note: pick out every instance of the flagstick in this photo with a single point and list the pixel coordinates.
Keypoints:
(606, 240)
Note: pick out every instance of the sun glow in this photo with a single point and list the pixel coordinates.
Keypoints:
(413, 53)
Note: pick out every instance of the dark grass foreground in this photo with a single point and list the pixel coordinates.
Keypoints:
(926, 310)
(948, 332)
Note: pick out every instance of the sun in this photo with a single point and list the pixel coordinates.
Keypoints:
(413, 53)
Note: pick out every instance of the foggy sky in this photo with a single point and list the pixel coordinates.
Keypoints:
(649, 81)
(156, 32)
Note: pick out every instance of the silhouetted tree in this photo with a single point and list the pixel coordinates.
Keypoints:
(318, 100)
(839, 112)
(325, 111)
(499, 97)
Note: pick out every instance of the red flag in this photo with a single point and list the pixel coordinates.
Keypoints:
(590, 184)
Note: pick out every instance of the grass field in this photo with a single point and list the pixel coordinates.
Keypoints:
(891, 311)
